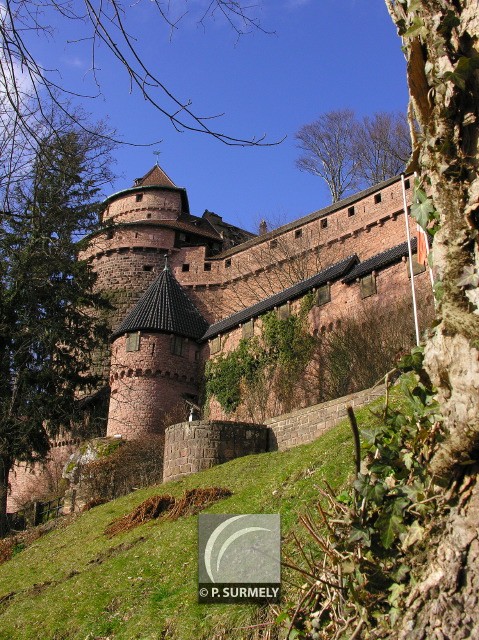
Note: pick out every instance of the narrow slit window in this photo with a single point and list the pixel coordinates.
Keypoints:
(351, 212)
(324, 223)
(377, 198)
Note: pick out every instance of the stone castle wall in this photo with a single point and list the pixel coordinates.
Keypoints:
(194, 446)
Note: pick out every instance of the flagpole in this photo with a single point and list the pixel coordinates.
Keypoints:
(411, 270)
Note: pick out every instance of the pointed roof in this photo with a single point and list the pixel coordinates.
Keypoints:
(155, 177)
(164, 308)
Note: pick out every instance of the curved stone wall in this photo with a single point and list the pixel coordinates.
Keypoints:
(194, 446)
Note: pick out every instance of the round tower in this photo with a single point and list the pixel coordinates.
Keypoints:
(154, 359)
(138, 228)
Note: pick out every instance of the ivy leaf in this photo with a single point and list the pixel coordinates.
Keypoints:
(396, 591)
(416, 28)
(469, 277)
(423, 210)
(389, 525)
(414, 534)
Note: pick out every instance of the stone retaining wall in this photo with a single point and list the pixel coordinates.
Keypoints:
(194, 446)
(198, 445)
(305, 425)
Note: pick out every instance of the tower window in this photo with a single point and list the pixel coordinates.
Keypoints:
(298, 233)
(407, 184)
(185, 267)
(148, 215)
(109, 234)
(207, 266)
(324, 223)
(377, 198)
(147, 267)
(227, 264)
(351, 212)
(177, 345)
(273, 244)
(139, 197)
(133, 341)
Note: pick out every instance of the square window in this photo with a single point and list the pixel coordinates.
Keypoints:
(368, 286)
(351, 212)
(248, 329)
(324, 295)
(177, 343)
(139, 197)
(185, 267)
(324, 223)
(148, 215)
(133, 341)
(377, 198)
(207, 266)
(215, 345)
(298, 233)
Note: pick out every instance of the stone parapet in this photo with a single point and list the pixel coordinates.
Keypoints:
(194, 446)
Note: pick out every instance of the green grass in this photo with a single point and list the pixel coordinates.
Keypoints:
(75, 583)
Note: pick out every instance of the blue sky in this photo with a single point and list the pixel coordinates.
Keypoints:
(324, 55)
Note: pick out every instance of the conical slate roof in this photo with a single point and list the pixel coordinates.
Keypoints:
(157, 177)
(164, 308)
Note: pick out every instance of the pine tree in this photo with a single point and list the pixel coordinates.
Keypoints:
(49, 322)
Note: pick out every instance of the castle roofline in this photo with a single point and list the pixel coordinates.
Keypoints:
(381, 260)
(315, 215)
(334, 272)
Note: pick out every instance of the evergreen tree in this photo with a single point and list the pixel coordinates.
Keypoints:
(48, 313)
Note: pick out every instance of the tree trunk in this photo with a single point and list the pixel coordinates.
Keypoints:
(441, 41)
(5, 467)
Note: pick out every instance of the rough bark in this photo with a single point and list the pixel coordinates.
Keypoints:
(445, 604)
(5, 466)
(441, 44)
(447, 108)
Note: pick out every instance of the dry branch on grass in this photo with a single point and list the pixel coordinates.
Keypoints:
(171, 508)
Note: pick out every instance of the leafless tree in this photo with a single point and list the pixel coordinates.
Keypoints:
(382, 146)
(327, 145)
(349, 153)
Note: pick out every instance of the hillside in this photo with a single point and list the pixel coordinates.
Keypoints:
(75, 583)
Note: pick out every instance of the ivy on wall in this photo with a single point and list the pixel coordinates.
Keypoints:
(279, 356)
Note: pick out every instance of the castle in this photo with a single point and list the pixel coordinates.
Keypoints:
(187, 288)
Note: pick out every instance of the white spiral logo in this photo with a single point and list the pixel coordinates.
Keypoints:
(210, 545)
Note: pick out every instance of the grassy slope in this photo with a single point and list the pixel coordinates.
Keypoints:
(76, 583)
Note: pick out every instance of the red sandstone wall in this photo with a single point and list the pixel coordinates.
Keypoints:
(39, 481)
(162, 204)
(148, 383)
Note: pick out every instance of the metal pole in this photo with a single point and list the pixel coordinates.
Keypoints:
(411, 271)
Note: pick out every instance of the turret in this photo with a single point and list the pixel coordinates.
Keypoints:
(155, 357)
